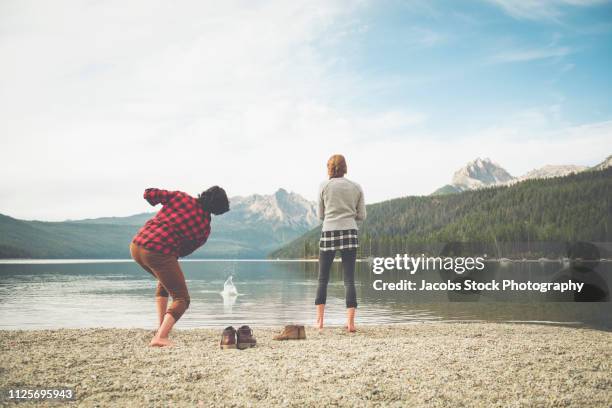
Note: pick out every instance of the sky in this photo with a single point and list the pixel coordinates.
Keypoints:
(102, 99)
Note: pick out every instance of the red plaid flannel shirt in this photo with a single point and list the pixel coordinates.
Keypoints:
(179, 228)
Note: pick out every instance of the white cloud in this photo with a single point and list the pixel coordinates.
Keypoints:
(102, 99)
(532, 54)
(418, 163)
(423, 37)
(523, 148)
(540, 9)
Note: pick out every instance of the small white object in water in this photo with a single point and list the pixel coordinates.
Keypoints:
(228, 288)
(504, 262)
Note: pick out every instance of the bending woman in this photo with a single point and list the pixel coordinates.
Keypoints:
(341, 204)
(179, 228)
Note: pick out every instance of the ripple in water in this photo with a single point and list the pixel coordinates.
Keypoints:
(36, 296)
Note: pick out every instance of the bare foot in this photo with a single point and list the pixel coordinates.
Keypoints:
(319, 325)
(159, 342)
(320, 317)
(351, 328)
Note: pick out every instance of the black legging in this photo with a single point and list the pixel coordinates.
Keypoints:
(326, 258)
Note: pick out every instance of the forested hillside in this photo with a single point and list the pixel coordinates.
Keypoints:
(562, 209)
(576, 207)
(110, 238)
(255, 225)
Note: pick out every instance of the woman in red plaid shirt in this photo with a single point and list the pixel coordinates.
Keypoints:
(179, 228)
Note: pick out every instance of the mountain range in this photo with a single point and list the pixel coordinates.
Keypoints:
(256, 225)
(481, 173)
(529, 219)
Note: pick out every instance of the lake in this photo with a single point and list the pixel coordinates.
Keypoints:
(73, 294)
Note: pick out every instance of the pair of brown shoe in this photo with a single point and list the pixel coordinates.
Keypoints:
(240, 339)
(292, 332)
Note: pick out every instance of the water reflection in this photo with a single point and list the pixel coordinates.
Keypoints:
(583, 259)
(273, 293)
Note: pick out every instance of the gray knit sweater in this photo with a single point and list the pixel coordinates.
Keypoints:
(341, 204)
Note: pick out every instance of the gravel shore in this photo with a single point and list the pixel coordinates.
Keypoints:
(440, 365)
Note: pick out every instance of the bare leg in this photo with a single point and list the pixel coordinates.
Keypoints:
(320, 315)
(162, 307)
(350, 319)
(171, 282)
(161, 337)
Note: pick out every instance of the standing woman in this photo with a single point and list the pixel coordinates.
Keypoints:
(179, 228)
(341, 204)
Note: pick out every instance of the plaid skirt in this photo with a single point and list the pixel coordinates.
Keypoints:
(340, 239)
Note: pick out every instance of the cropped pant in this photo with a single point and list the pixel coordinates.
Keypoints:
(326, 258)
(170, 278)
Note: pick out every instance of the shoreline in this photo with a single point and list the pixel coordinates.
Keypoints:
(420, 364)
(21, 261)
(391, 325)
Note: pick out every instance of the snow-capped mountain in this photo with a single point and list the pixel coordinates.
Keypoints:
(476, 174)
(258, 223)
(281, 210)
(481, 173)
(604, 164)
(549, 171)
(255, 224)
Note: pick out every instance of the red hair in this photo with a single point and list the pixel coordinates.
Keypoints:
(336, 166)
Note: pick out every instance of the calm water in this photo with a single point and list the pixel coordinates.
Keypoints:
(120, 294)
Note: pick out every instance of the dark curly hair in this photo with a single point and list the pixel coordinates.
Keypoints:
(214, 200)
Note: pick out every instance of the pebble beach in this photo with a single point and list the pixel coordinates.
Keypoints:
(432, 364)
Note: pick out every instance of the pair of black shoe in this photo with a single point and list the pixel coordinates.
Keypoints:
(240, 339)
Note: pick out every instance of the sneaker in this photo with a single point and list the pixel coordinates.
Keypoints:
(245, 338)
(292, 332)
(228, 338)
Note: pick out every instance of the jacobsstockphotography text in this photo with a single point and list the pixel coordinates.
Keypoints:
(303, 204)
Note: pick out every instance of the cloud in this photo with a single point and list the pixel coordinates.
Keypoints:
(421, 163)
(103, 99)
(540, 9)
(423, 37)
(532, 54)
(522, 147)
